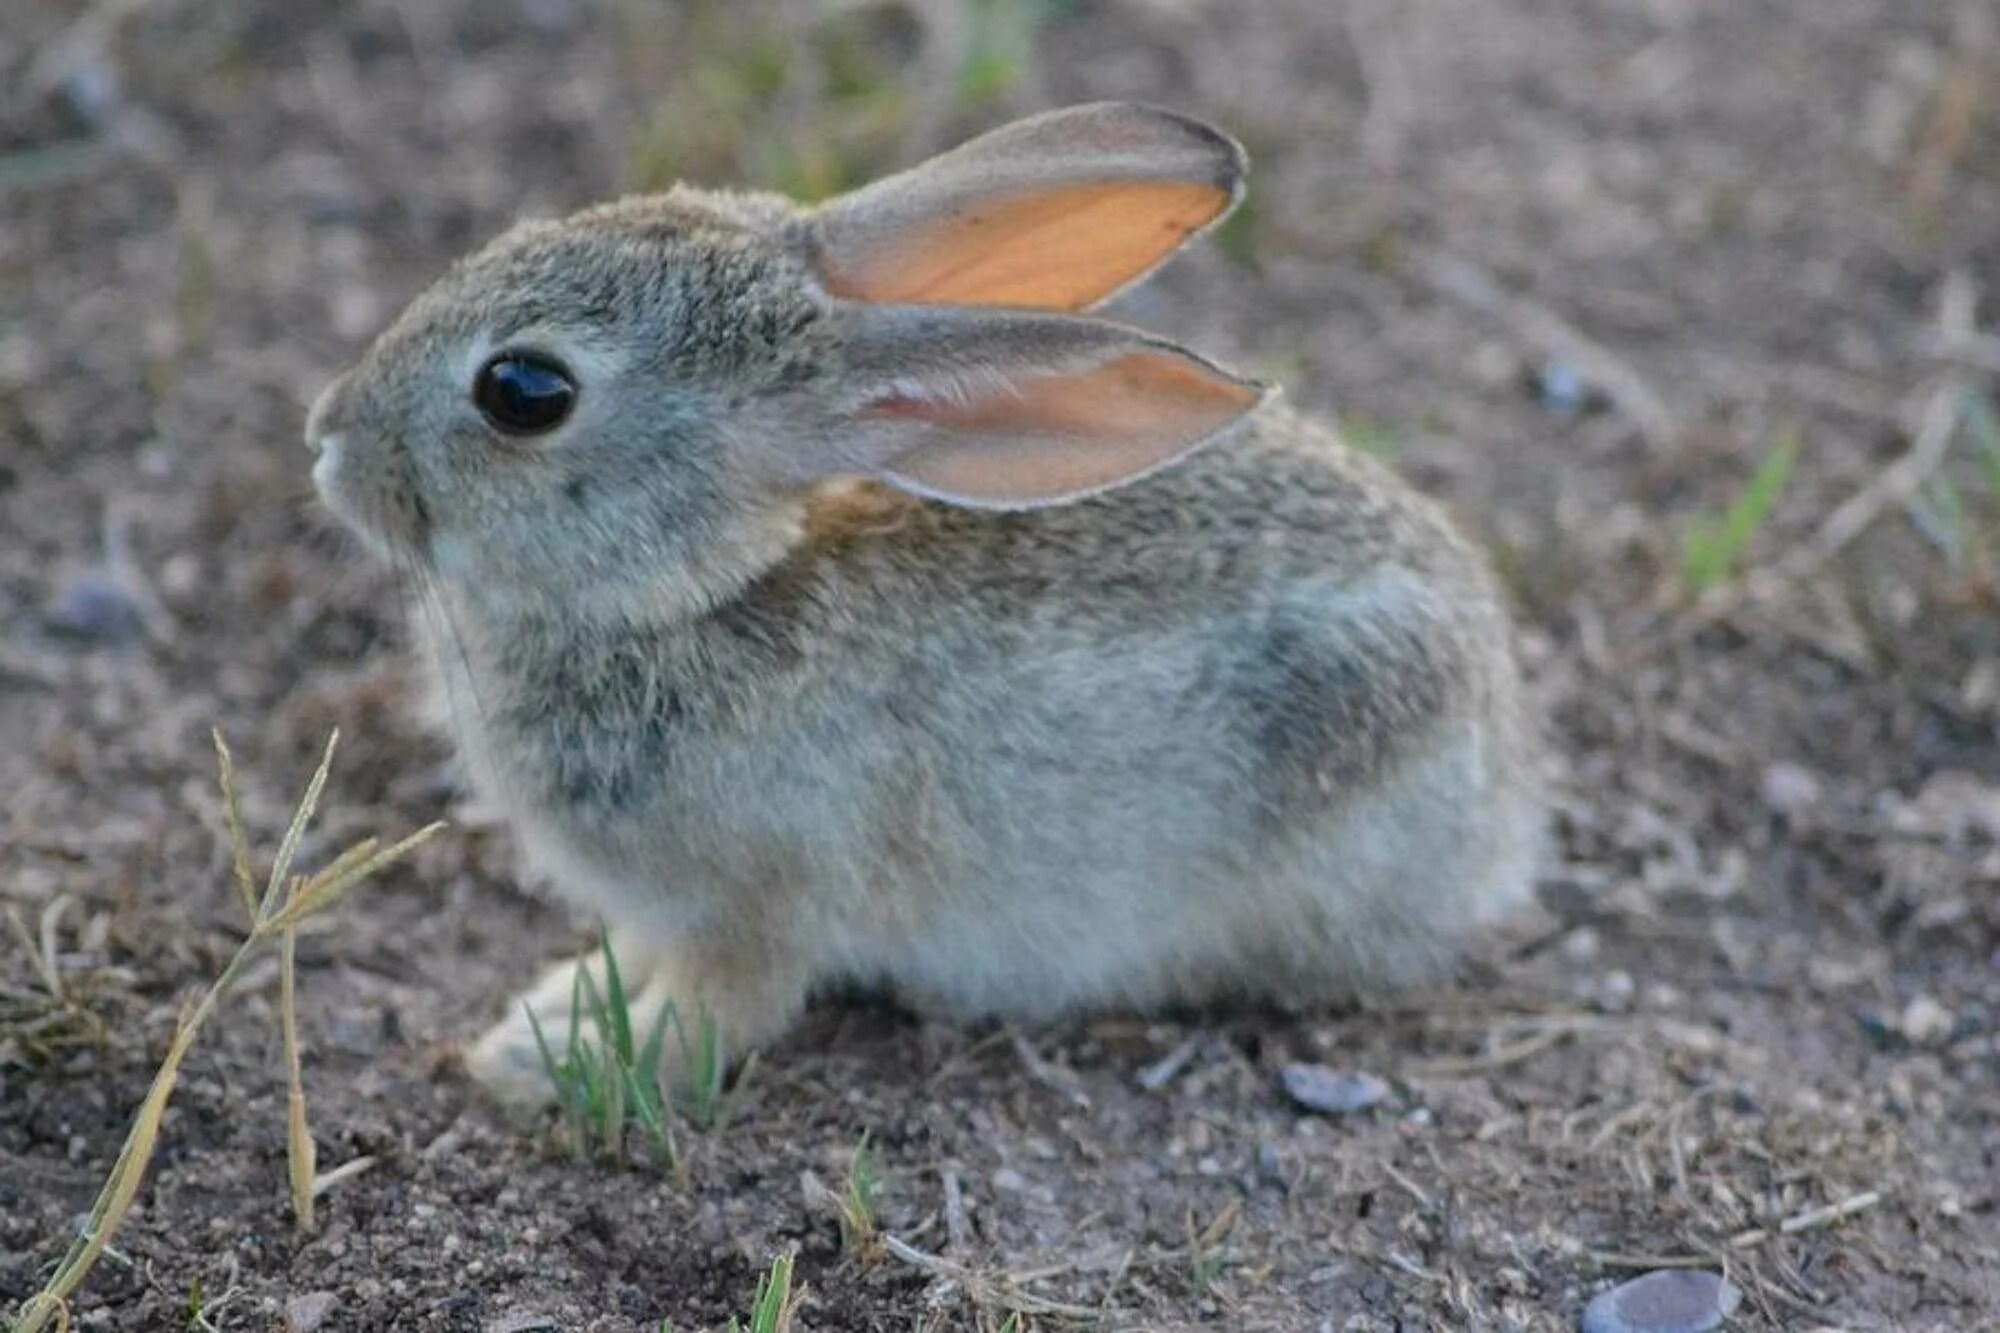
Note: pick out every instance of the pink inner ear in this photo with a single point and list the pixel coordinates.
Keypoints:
(1055, 437)
(1056, 247)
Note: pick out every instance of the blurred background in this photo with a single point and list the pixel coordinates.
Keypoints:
(1686, 308)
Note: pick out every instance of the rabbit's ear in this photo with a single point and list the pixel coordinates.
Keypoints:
(1056, 212)
(1016, 409)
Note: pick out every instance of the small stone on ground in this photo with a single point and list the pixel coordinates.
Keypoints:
(304, 1314)
(1673, 1300)
(1331, 1091)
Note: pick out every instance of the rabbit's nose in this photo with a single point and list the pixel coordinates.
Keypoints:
(325, 419)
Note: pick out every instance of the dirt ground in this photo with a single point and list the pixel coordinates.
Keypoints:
(1579, 265)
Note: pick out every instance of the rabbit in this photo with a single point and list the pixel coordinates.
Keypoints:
(828, 599)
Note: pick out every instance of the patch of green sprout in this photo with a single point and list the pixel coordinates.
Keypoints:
(776, 1303)
(707, 1066)
(860, 1202)
(1716, 543)
(1383, 439)
(606, 1082)
(608, 1076)
(1003, 38)
(776, 1307)
(1208, 1251)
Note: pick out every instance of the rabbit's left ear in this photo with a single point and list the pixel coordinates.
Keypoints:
(1011, 409)
(1056, 212)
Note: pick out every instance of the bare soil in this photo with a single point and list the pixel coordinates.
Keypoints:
(1765, 983)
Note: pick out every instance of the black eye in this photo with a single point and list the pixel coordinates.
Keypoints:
(522, 393)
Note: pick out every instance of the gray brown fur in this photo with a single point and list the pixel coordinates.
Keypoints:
(1248, 727)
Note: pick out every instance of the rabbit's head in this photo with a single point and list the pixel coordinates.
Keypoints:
(630, 405)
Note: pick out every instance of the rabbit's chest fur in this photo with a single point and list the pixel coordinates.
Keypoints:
(950, 747)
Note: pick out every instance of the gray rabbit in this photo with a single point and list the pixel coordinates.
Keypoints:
(825, 599)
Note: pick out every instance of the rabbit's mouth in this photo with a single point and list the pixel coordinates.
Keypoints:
(368, 481)
(391, 519)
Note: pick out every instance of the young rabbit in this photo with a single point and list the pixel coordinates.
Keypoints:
(825, 599)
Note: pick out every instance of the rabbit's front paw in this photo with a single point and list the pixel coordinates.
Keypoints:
(508, 1060)
(740, 1009)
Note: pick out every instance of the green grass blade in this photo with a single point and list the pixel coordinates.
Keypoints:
(620, 1012)
(773, 1309)
(647, 1064)
(564, 1081)
(1714, 544)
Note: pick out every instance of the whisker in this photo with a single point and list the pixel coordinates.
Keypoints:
(444, 625)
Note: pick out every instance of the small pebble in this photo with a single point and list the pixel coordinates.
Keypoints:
(1615, 990)
(305, 1313)
(1789, 789)
(1331, 1091)
(1562, 388)
(92, 607)
(1581, 945)
(90, 93)
(1925, 1022)
(181, 576)
(1673, 1300)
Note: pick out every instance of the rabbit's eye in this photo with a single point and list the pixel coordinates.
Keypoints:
(523, 394)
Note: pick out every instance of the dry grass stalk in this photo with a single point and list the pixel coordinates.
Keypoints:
(1811, 1220)
(983, 1291)
(271, 919)
(299, 1153)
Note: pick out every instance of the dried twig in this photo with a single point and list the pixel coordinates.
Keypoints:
(1647, 1262)
(347, 1170)
(1408, 1186)
(958, 1232)
(41, 952)
(1053, 1077)
(1499, 1058)
(1167, 1068)
(982, 1290)
(1812, 1219)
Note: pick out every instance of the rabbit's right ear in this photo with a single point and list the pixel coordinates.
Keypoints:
(1056, 212)
(1009, 409)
